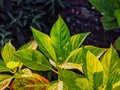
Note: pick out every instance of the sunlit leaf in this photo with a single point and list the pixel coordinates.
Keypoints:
(69, 78)
(116, 86)
(35, 82)
(3, 67)
(12, 64)
(7, 52)
(30, 45)
(75, 56)
(45, 44)
(4, 81)
(114, 79)
(59, 35)
(77, 40)
(84, 84)
(23, 73)
(110, 62)
(57, 86)
(97, 51)
(33, 59)
(93, 70)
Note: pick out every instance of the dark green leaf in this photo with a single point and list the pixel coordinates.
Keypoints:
(105, 6)
(117, 43)
(117, 15)
(109, 23)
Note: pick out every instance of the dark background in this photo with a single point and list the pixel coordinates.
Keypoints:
(16, 16)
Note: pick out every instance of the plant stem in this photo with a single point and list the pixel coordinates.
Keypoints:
(54, 71)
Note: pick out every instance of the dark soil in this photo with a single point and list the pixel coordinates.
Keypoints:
(80, 17)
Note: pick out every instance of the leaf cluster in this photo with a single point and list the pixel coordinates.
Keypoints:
(99, 68)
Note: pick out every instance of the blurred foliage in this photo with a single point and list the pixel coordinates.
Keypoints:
(1, 3)
(4, 36)
(18, 15)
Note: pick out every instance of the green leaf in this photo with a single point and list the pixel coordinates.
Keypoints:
(110, 62)
(45, 44)
(24, 73)
(84, 84)
(59, 35)
(69, 78)
(33, 59)
(12, 64)
(106, 7)
(30, 45)
(60, 85)
(116, 86)
(7, 52)
(75, 56)
(3, 67)
(114, 79)
(93, 69)
(117, 15)
(77, 40)
(97, 51)
(28, 83)
(4, 81)
(109, 23)
(117, 43)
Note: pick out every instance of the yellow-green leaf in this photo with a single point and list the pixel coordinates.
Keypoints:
(77, 40)
(7, 52)
(30, 45)
(68, 65)
(12, 64)
(110, 62)
(59, 36)
(93, 69)
(4, 81)
(45, 44)
(33, 59)
(3, 66)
